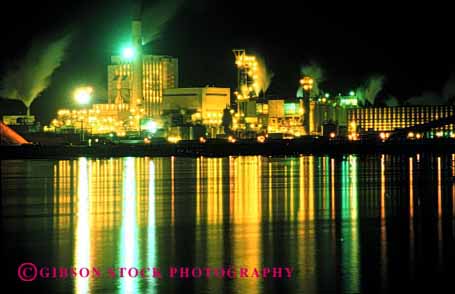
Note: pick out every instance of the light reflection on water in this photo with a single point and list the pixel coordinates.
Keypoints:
(343, 224)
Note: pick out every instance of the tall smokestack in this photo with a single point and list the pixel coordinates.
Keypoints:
(136, 35)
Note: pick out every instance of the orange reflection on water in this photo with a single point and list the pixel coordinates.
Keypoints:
(301, 209)
(332, 190)
(440, 244)
(383, 186)
(198, 190)
(306, 196)
(214, 190)
(291, 188)
(270, 174)
(64, 187)
(439, 188)
(213, 199)
(383, 228)
(411, 213)
(172, 190)
(453, 185)
(246, 198)
(411, 188)
(311, 188)
(246, 217)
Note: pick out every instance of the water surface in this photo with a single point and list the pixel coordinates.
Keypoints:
(349, 224)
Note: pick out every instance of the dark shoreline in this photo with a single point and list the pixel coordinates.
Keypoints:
(217, 149)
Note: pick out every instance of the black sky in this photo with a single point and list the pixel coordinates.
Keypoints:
(411, 44)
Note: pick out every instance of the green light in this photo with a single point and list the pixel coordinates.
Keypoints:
(352, 93)
(327, 95)
(290, 108)
(348, 101)
(149, 125)
(128, 53)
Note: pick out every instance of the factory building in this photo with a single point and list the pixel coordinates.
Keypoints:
(247, 92)
(386, 119)
(206, 104)
(158, 73)
(322, 112)
(100, 119)
(187, 107)
(285, 116)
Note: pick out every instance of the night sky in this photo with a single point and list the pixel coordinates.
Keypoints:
(411, 45)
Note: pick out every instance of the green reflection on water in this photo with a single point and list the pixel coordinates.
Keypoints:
(350, 226)
(128, 253)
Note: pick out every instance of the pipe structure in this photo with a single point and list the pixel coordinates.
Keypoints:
(136, 36)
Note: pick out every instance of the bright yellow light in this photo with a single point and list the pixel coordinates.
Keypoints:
(418, 136)
(83, 95)
(62, 112)
(382, 136)
(410, 135)
(353, 126)
(202, 140)
(332, 135)
(261, 139)
(439, 134)
(353, 136)
(174, 139)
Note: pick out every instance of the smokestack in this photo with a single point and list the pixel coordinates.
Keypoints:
(136, 36)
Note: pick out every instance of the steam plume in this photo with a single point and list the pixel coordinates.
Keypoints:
(264, 76)
(447, 95)
(155, 16)
(391, 101)
(448, 92)
(31, 76)
(427, 98)
(315, 71)
(371, 89)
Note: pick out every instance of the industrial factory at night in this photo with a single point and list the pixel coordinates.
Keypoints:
(144, 104)
(219, 146)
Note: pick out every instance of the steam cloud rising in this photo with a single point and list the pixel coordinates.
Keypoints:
(155, 16)
(371, 89)
(447, 95)
(392, 102)
(264, 76)
(32, 74)
(315, 71)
